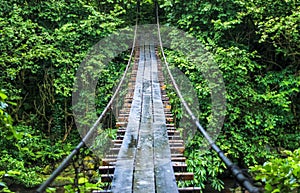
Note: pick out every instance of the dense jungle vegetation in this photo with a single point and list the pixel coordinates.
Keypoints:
(256, 45)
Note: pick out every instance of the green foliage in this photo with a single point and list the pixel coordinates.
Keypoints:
(265, 26)
(16, 172)
(255, 46)
(277, 29)
(3, 185)
(7, 130)
(250, 135)
(103, 141)
(280, 174)
(205, 164)
(83, 186)
(108, 80)
(23, 158)
(177, 110)
(7, 133)
(44, 43)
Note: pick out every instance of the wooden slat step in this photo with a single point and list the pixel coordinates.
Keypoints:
(184, 176)
(178, 159)
(117, 145)
(179, 166)
(106, 169)
(124, 115)
(177, 155)
(170, 120)
(164, 96)
(102, 191)
(169, 115)
(127, 105)
(189, 190)
(117, 141)
(106, 177)
(128, 100)
(108, 161)
(121, 124)
(115, 150)
(121, 132)
(170, 125)
(111, 156)
(177, 149)
(125, 111)
(174, 137)
(173, 141)
(176, 144)
(122, 119)
(111, 160)
(173, 132)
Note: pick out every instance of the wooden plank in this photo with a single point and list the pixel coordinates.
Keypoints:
(114, 150)
(122, 181)
(144, 166)
(107, 177)
(174, 144)
(122, 119)
(121, 124)
(174, 141)
(175, 150)
(106, 169)
(102, 191)
(108, 161)
(184, 176)
(117, 141)
(174, 137)
(189, 190)
(164, 174)
(117, 145)
(177, 154)
(173, 132)
(178, 159)
(179, 166)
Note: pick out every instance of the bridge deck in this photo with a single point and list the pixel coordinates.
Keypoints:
(150, 150)
(144, 161)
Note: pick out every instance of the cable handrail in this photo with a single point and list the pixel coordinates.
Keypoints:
(68, 159)
(235, 170)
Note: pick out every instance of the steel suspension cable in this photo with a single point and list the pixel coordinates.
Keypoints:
(235, 170)
(68, 159)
